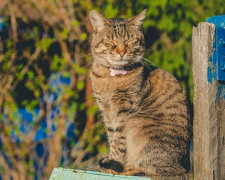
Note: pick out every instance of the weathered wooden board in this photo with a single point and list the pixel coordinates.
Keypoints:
(209, 107)
(72, 174)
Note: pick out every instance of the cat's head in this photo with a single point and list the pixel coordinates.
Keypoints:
(117, 43)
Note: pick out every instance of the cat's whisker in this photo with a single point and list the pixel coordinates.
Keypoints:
(90, 54)
(144, 63)
(89, 63)
(147, 60)
(148, 67)
(87, 55)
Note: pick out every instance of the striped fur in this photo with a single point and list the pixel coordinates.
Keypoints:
(145, 111)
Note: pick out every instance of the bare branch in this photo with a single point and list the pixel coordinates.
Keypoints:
(12, 151)
(33, 57)
(14, 23)
(1, 50)
(5, 167)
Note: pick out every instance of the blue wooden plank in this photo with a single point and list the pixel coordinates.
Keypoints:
(220, 53)
(70, 174)
(219, 22)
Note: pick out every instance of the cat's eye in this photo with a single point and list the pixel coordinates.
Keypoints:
(131, 41)
(108, 42)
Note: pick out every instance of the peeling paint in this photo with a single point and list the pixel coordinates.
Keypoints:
(211, 72)
(217, 57)
(220, 93)
(219, 21)
(212, 69)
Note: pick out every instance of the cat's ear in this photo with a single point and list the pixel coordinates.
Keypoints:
(97, 20)
(139, 19)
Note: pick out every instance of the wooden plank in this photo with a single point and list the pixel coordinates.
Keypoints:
(209, 107)
(202, 47)
(64, 174)
(72, 174)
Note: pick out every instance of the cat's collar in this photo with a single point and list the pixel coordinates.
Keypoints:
(114, 72)
(124, 71)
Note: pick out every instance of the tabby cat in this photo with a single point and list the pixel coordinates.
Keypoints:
(144, 109)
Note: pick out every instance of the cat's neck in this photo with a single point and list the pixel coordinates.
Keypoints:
(105, 71)
(99, 69)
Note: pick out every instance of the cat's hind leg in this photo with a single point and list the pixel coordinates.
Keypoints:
(136, 144)
(151, 156)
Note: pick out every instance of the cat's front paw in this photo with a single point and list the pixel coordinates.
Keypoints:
(107, 163)
(129, 171)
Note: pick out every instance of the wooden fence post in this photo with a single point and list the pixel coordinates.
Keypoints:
(209, 100)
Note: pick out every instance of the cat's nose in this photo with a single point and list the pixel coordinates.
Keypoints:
(121, 50)
(122, 53)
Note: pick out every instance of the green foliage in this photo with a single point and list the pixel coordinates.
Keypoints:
(111, 11)
(65, 33)
(45, 43)
(79, 70)
(75, 23)
(83, 36)
(57, 63)
(92, 110)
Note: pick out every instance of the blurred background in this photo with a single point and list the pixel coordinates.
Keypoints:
(48, 117)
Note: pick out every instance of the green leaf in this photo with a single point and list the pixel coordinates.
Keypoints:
(65, 33)
(75, 23)
(66, 74)
(58, 63)
(79, 70)
(82, 106)
(9, 44)
(44, 44)
(92, 110)
(80, 85)
(30, 74)
(83, 36)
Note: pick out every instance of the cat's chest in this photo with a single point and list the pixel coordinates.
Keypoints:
(107, 89)
(116, 94)
(107, 85)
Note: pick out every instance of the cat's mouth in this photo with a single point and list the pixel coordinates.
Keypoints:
(117, 71)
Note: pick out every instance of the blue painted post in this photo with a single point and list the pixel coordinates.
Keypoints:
(219, 22)
(208, 49)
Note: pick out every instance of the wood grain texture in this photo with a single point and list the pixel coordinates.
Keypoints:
(209, 115)
(74, 174)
